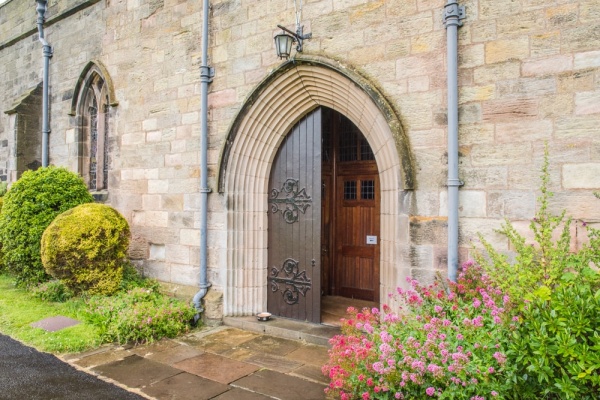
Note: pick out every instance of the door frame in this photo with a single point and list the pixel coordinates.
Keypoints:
(275, 105)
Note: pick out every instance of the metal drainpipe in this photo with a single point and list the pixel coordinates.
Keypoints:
(453, 14)
(47, 50)
(206, 75)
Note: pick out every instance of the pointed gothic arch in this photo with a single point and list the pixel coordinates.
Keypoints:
(93, 97)
(277, 104)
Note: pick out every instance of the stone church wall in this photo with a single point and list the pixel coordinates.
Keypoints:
(529, 74)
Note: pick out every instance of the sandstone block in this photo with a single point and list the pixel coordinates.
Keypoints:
(509, 109)
(422, 64)
(471, 56)
(471, 203)
(581, 176)
(545, 44)
(511, 204)
(581, 38)
(503, 154)
(484, 177)
(175, 253)
(580, 127)
(588, 59)
(497, 72)
(524, 131)
(551, 65)
(587, 103)
(528, 87)
(475, 133)
(504, 50)
(158, 186)
(156, 218)
(562, 16)
(523, 24)
(190, 237)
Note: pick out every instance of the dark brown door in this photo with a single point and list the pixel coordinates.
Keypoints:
(294, 275)
(351, 211)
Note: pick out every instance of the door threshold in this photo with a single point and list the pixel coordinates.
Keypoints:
(286, 328)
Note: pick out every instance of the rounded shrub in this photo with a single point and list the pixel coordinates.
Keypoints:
(29, 207)
(86, 247)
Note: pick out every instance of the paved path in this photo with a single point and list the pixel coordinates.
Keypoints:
(221, 363)
(27, 374)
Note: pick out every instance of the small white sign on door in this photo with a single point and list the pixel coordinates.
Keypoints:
(371, 239)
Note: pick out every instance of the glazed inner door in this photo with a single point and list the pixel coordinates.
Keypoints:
(350, 211)
(294, 271)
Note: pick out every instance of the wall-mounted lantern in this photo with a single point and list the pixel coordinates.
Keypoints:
(284, 40)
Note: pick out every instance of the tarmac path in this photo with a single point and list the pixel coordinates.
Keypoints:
(27, 374)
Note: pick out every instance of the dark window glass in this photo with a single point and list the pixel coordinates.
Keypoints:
(350, 190)
(365, 150)
(367, 190)
(348, 141)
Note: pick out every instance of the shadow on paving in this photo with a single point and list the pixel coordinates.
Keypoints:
(26, 373)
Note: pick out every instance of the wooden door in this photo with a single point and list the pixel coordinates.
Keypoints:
(294, 280)
(350, 254)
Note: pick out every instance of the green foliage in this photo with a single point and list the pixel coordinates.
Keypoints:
(29, 207)
(85, 247)
(556, 347)
(139, 315)
(542, 263)
(53, 291)
(132, 279)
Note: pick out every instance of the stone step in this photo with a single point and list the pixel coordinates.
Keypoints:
(318, 334)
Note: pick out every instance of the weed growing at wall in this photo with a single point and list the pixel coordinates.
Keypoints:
(29, 207)
(139, 315)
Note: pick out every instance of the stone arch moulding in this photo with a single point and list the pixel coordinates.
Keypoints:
(288, 93)
(99, 68)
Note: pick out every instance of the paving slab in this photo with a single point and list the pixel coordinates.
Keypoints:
(53, 324)
(185, 386)
(311, 372)
(174, 355)
(241, 394)
(102, 358)
(310, 354)
(216, 367)
(281, 386)
(136, 372)
(222, 340)
(276, 363)
(151, 348)
(265, 344)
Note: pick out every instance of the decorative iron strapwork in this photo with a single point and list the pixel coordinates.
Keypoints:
(296, 282)
(292, 201)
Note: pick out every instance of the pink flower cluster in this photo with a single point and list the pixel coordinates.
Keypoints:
(441, 342)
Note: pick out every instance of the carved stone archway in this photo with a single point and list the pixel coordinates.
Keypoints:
(281, 100)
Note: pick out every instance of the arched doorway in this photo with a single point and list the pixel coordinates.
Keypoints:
(269, 113)
(324, 217)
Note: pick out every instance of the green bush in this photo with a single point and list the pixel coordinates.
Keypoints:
(139, 315)
(85, 247)
(29, 207)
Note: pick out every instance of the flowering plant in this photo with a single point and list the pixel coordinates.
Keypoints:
(445, 344)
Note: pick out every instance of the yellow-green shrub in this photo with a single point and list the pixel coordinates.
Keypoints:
(85, 248)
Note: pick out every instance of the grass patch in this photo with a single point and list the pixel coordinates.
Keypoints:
(19, 308)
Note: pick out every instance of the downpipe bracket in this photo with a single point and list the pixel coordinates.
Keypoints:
(206, 73)
(455, 183)
(453, 14)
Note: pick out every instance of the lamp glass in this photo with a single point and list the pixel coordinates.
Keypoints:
(283, 45)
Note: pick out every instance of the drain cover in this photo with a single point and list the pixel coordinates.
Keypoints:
(54, 324)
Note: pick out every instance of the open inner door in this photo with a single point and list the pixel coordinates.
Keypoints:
(350, 211)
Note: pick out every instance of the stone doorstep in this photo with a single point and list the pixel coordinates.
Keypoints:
(286, 328)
